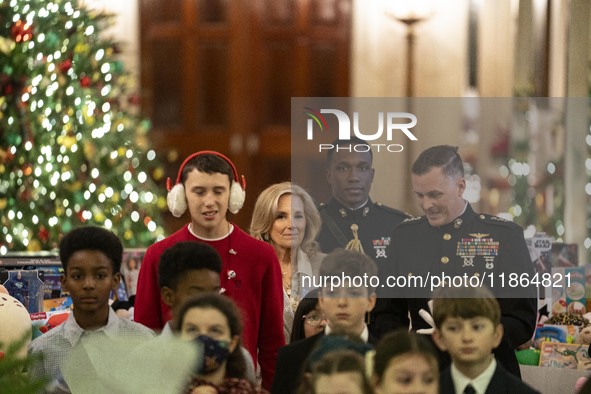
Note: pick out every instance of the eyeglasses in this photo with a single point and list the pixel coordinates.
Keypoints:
(314, 319)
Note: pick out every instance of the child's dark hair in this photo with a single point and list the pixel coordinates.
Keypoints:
(337, 361)
(336, 341)
(92, 238)
(466, 303)
(182, 257)
(207, 163)
(236, 366)
(306, 305)
(400, 343)
(347, 263)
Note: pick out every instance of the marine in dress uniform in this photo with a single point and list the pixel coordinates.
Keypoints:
(453, 239)
(473, 244)
(351, 220)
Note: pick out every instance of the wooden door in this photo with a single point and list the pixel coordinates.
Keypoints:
(220, 74)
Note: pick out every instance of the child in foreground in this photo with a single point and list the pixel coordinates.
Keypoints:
(213, 322)
(468, 326)
(405, 362)
(337, 372)
(91, 258)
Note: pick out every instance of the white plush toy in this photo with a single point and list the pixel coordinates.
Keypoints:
(16, 323)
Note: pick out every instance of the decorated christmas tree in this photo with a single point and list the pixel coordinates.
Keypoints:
(73, 149)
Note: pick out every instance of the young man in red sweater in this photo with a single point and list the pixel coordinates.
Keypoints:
(208, 185)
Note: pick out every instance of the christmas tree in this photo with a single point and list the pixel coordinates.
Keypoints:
(73, 149)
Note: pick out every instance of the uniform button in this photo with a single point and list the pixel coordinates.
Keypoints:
(447, 236)
(482, 217)
(444, 260)
(410, 274)
(476, 274)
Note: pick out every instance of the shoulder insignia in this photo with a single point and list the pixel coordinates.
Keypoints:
(500, 219)
(391, 210)
(491, 219)
(414, 219)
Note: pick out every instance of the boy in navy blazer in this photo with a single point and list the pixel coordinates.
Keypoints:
(468, 326)
(345, 307)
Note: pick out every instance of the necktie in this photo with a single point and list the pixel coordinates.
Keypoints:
(469, 390)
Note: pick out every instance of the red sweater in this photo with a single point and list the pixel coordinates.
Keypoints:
(255, 287)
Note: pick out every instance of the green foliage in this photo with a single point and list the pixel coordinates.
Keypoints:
(12, 378)
(72, 148)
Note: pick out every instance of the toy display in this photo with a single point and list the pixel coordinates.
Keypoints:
(16, 324)
(26, 286)
(565, 355)
(584, 336)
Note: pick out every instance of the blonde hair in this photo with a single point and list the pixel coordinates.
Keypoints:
(265, 211)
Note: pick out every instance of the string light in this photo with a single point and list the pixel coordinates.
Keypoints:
(69, 137)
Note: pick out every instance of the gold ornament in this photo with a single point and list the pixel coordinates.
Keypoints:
(81, 48)
(6, 45)
(161, 203)
(89, 150)
(66, 141)
(99, 217)
(34, 246)
(158, 173)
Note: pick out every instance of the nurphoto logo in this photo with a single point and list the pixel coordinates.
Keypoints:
(390, 123)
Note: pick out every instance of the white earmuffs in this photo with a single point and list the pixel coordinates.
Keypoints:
(177, 202)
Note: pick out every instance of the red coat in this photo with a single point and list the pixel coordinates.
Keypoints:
(251, 276)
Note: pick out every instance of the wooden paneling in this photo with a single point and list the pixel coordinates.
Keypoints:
(220, 74)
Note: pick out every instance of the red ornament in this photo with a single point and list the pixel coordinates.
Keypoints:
(8, 89)
(85, 81)
(43, 234)
(21, 31)
(65, 66)
(134, 99)
(25, 195)
(80, 216)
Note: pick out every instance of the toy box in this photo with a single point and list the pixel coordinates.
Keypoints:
(565, 355)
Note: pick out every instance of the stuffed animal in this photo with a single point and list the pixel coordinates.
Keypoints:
(16, 324)
(584, 336)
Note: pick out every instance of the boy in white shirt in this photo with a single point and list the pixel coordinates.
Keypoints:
(468, 326)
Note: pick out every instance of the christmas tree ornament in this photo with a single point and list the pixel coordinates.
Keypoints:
(85, 81)
(65, 66)
(6, 45)
(64, 134)
(21, 31)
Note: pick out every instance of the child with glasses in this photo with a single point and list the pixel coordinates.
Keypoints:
(308, 318)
